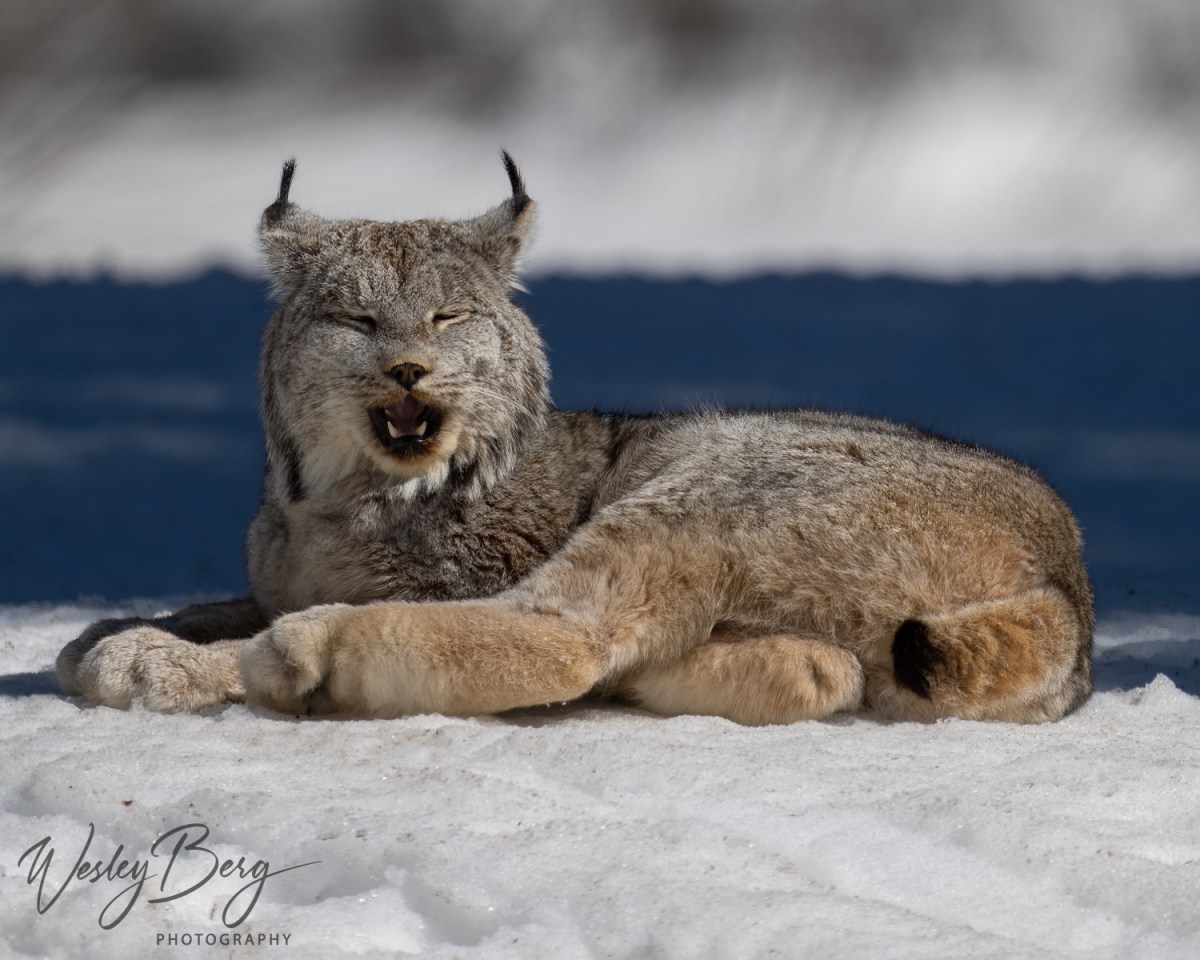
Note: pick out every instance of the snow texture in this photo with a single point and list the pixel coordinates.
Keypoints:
(595, 830)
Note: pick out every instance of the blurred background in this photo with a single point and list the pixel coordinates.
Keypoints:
(724, 136)
(978, 216)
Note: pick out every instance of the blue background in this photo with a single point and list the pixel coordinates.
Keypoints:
(130, 451)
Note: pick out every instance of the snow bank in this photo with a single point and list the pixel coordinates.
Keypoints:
(598, 830)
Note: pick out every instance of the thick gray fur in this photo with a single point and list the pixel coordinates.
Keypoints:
(766, 567)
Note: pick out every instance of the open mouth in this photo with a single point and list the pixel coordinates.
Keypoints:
(406, 426)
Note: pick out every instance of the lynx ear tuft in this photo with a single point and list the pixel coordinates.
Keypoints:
(502, 233)
(520, 199)
(276, 211)
(290, 237)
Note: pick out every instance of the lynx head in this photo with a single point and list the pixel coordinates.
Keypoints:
(397, 346)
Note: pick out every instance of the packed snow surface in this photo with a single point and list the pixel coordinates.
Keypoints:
(596, 830)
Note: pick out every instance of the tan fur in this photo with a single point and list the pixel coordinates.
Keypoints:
(753, 680)
(394, 659)
(762, 567)
(166, 673)
(1001, 660)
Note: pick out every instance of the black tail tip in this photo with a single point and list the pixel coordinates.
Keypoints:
(915, 660)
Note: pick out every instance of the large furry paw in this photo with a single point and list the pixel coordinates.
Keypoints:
(152, 666)
(287, 667)
(67, 665)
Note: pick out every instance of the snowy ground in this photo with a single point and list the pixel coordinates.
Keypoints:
(599, 831)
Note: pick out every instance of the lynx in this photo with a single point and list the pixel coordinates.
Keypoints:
(434, 536)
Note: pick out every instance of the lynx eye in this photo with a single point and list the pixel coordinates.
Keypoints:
(359, 321)
(444, 318)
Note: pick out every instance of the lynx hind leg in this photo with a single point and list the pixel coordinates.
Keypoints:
(1026, 659)
(164, 672)
(754, 680)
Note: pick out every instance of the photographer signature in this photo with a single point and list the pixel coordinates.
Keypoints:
(181, 852)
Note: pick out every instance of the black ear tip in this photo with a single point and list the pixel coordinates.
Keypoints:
(274, 213)
(514, 175)
(285, 181)
(520, 197)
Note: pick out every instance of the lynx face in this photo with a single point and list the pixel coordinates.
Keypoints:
(397, 345)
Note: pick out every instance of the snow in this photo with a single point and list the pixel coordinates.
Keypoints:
(930, 189)
(598, 830)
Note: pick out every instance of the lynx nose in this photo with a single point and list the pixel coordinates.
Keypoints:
(408, 373)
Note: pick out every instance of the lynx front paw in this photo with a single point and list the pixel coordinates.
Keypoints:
(164, 672)
(67, 666)
(287, 666)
